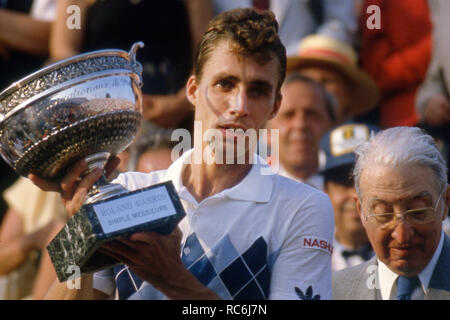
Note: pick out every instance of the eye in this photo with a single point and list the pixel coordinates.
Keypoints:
(420, 214)
(381, 208)
(259, 89)
(257, 92)
(312, 115)
(419, 203)
(225, 84)
(288, 114)
(383, 218)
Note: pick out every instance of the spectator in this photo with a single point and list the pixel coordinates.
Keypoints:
(170, 30)
(397, 56)
(334, 64)
(298, 19)
(151, 150)
(306, 114)
(24, 38)
(351, 245)
(236, 216)
(433, 97)
(32, 220)
(403, 197)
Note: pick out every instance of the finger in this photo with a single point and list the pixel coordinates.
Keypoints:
(114, 255)
(177, 232)
(90, 179)
(147, 237)
(122, 250)
(68, 183)
(147, 101)
(44, 184)
(120, 247)
(111, 165)
(74, 201)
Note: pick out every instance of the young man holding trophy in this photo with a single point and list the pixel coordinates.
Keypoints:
(247, 234)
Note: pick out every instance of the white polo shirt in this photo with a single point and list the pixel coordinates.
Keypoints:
(267, 237)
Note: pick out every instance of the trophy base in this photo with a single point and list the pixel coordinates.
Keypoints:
(75, 248)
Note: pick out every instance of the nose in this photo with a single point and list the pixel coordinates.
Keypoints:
(403, 231)
(300, 122)
(239, 104)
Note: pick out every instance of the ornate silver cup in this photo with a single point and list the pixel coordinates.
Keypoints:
(87, 106)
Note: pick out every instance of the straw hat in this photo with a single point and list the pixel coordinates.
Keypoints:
(328, 52)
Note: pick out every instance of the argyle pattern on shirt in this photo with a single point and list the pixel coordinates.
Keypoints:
(232, 275)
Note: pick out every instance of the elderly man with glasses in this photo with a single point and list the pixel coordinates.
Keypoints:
(403, 197)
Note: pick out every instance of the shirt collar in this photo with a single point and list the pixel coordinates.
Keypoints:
(388, 277)
(257, 185)
(427, 272)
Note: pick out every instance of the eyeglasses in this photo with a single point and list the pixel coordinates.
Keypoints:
(413, 216)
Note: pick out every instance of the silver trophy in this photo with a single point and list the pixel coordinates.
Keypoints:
(87, 106)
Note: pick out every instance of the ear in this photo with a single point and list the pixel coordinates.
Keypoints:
(276, 106)
(446, 202)
(191, 90)
(358, 208)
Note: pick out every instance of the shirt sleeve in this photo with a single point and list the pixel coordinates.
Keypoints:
(104, 281)
(302, 269)
(44, 10)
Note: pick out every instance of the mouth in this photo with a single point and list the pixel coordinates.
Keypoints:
(301, 141)
(403, 251)
(232, 130)
(349, 210)
(232, 126)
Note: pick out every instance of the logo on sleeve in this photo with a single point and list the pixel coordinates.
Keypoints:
(316, 243)
(308, 295)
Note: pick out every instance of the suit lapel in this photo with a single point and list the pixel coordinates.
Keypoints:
(365, 285)
(439, 287)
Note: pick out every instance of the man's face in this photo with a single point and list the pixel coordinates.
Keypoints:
(302, 121)
(335, 83)
(346, 217)
(234, 92)
(405, 248)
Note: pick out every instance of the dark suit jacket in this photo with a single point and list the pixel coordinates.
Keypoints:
(360, 282)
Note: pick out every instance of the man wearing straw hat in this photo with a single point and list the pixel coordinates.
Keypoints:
(333, 63)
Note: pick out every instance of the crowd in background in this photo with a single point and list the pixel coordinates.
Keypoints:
(348, 76)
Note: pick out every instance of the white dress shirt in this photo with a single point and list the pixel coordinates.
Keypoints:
(339, 262)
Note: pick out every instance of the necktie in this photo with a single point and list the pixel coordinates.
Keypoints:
(405, 287)
(365, 252)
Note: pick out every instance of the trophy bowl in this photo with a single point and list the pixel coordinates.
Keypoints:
(87, 106)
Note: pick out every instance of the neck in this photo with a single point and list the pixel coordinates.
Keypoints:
(204, 180)
(302, 172)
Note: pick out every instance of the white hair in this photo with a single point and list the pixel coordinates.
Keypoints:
(400, 146)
